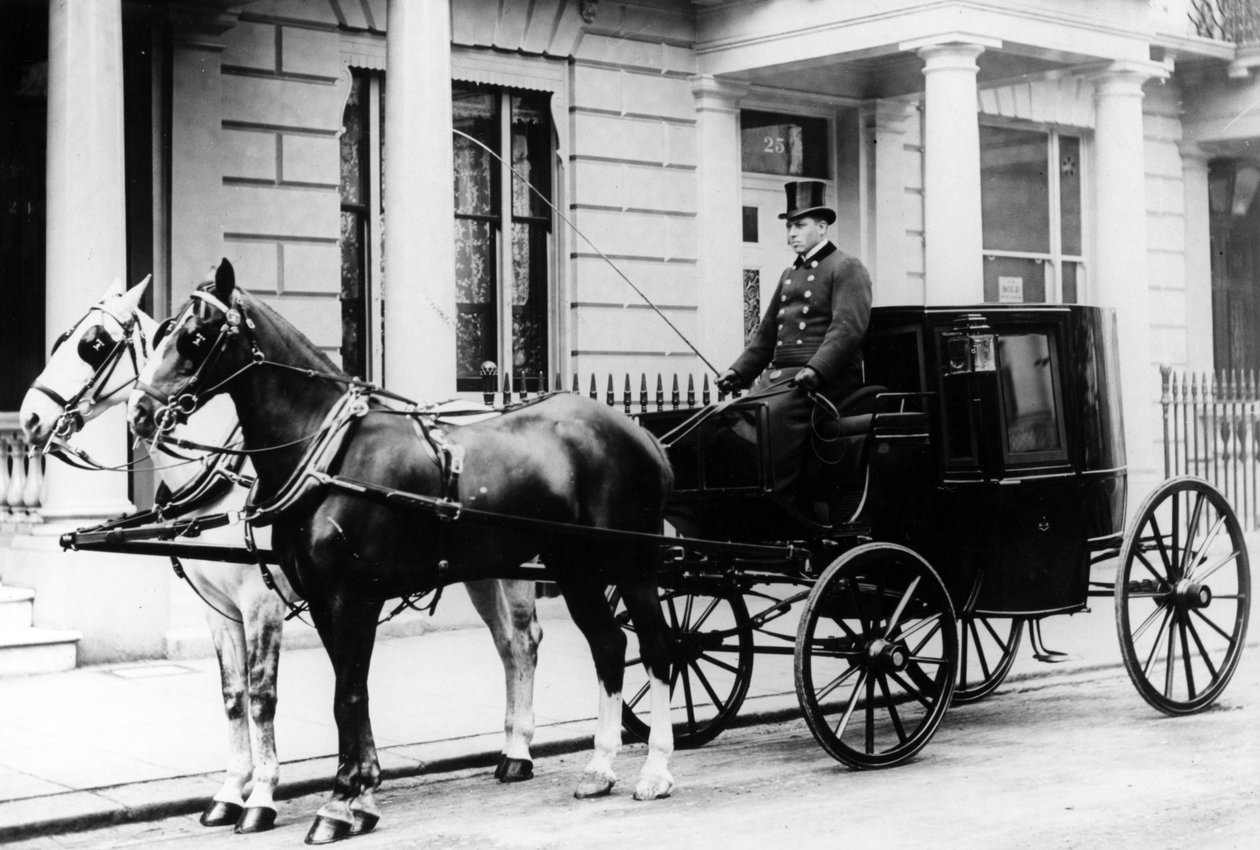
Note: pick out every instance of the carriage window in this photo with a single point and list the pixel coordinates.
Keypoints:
(502, 239)
(1031, 419)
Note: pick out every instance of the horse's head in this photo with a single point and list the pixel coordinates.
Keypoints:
(91, 364)
(198, 352)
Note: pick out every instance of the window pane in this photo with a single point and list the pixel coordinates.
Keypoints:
(529, 297)
(354, 143)
(474, 262)
(474, 342)
(1015, 196)
(531, 144)
(1013, 280)
(776, 143)
(1071, 291)
(474, 114)
(750, 224)
(1070, 194)
(1027, 378)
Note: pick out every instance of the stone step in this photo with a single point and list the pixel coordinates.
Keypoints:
(17, 605)
(31, 650)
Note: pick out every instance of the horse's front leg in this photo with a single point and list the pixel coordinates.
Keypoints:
(229, 645)
(348, 630)
(263, 613)
(508, 609)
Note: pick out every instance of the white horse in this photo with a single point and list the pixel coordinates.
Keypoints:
(91, 368)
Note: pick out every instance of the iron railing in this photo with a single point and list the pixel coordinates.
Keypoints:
(634, 395)
(1212, 430)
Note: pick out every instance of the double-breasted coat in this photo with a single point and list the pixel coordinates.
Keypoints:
(817, 317)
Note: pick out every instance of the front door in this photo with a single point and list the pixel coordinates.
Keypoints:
(1235, 243)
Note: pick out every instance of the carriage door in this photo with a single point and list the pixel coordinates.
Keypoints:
(775, 149)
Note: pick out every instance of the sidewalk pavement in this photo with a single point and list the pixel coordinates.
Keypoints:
(108, 744)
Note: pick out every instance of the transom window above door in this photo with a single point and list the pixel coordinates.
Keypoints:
(779, 143)
(1031, 213)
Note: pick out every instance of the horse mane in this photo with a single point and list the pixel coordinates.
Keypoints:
(298, 342)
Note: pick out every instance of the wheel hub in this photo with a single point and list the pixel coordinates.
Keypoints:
(1190, 595)
(888, 657)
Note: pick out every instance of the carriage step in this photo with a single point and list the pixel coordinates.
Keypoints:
(28, 650)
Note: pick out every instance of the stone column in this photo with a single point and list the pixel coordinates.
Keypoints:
(86, 228)
(884, 124)
(1198, 248)
(419, 202)
(1119, 276)
(718, 217)
(951, 170)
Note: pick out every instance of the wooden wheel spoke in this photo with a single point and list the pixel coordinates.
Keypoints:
(895, 619)
(892, 710)
(1150, 618)
(1200, 553)
(1141, 556)
(673, 614)
(638, 697)
(931, 620)
(911, 690)
(980, 656)
(1159, 639)
(1161, 545)
(826, 690)
(1215, 627)
(870, 715)
(1185, 658)
(688, 698)
(1203, 653)
(707, 611)
(1192, 528)
(843, 722)
(704, 682)
(1170, 660)
(730, 668)
(1220, 562)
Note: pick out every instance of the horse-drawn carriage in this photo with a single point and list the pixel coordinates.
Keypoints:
(960, 497)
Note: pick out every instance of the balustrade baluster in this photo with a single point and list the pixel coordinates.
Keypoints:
(13, 497)
(33, 492)
(4, 478)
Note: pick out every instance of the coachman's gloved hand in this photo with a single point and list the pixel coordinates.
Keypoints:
(729, 381)
(807, 379)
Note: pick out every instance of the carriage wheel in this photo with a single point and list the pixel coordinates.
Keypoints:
(1183, 591)
(711, 660)
(987, 649)
(876, 656)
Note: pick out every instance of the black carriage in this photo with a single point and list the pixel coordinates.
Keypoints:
(959, 498)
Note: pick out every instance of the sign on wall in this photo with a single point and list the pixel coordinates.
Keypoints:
(773, 149)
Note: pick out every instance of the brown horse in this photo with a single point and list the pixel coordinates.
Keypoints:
(563, 460)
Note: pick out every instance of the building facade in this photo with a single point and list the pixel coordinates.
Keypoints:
(1095, 151)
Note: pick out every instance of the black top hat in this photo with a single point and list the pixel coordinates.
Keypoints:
(807, 197)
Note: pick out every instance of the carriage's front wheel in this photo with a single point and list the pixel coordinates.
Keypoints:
(876, 656)
(1183, 596)
(711, 660)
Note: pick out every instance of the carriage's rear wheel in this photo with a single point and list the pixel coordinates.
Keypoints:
(987, 648)
(1183, 596)
(876, 656)
(711, 660)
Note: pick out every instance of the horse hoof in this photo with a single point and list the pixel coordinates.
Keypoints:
(220, 814)
(594, 785)
(653, 789)
(255, 819)
(327, 830)
(364, 822)
(514, 770)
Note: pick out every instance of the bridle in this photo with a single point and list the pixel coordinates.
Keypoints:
(203, 351)
(103, 355)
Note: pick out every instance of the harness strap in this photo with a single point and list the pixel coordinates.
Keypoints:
(179, 571)
(56, 397)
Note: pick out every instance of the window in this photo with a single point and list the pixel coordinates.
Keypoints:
(501, 285)
(358, 132)
(1031, 421)
(789, 145)
(1031, 213)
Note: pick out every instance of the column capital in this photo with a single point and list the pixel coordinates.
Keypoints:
(953, 50)
(711, 91)
(1124, 77)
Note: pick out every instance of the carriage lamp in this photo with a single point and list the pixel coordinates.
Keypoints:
(971, 353)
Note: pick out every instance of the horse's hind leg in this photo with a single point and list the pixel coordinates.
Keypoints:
(508, 609)
(263, 613)
(655, 780)
(229, 645)
(590, 611)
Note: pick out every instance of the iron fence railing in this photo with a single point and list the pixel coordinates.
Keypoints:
(1212, 430)
(632, 396)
